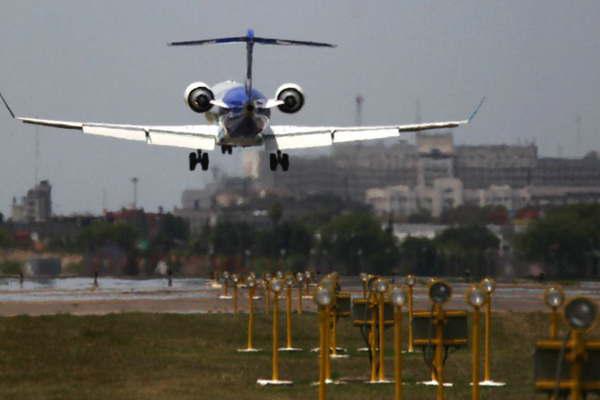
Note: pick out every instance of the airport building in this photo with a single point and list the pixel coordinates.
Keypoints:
(36, 206)
(428, 175)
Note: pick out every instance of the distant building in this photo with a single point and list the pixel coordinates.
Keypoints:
(36, 206)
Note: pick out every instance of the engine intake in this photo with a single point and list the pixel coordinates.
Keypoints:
(198, 97)
(292, 97)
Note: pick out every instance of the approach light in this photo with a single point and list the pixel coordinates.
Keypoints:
(279, 275)
(440, 292)
(398, 296)
(289, 281)
(300, 277)
(364, 277)
(308, 275)
(251, 282)
(381, 286)
(489, 285)
(411, 280)
(323, 296)
(475, 296)
(226, 275)
(235, 278)
(268, 277)
(276, 285)
(580, 313)
(554, 296)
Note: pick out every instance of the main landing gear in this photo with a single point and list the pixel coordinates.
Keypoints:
(226, 149)
(279, 159)
(198, 157)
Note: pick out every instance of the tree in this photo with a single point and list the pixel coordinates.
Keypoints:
(5, 239)
(566, 238)
(466, 247)
(358, 242)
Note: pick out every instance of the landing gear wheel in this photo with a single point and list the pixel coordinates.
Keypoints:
(204, 161)
(193, 161)
(273, 161)
(229, 149)
(285, 161)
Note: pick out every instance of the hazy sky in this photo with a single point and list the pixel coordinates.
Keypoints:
(106, 61)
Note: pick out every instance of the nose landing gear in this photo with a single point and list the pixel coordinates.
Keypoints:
(279, 158)
(198, 157)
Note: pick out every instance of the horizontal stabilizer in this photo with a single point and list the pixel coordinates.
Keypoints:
(250, 38)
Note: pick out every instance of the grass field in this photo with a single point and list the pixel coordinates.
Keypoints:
(165, 356)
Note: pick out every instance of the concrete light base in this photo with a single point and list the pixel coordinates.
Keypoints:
(334, 356)
(492, 384)
(290, 349)
(337, 349)
(363, 349)
(435, 383)
(383, 382)
(307, 297)
(270, 382)
(223, 297)
(329, 382)
(249, 350)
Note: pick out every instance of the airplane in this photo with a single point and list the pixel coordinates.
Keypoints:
(238, 115)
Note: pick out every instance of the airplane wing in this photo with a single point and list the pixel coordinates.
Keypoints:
(287, 137)
(195, 137)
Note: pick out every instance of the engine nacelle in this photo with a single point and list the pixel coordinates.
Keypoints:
(198, 96)
(292, 97)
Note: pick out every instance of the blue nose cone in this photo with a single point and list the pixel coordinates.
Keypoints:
(250, 34)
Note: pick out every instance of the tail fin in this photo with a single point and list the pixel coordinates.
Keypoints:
(250, 40)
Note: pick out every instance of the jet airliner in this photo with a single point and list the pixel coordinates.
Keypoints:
(238, 115)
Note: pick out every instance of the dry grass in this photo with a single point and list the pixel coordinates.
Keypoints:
(163, 356)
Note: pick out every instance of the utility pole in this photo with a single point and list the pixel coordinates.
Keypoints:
(135, 181)
(358, 116)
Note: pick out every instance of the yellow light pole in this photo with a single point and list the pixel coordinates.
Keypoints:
(579, 354)
(267, 292)
(475, 297)
(225, 277)
(398, 300)
(300, 280)
(289, 283)
(410, 283)
(489, 286)
(251, 284)
(554, 297)
(323, 298)
(276, 287)
(439, 293)
(235, 279)
(364, 279)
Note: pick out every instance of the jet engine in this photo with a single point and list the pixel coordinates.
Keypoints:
(198, 97)
(292, 97)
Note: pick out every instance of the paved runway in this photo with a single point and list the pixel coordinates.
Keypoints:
(197, 295)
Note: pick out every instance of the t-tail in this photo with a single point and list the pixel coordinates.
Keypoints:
(250, 41)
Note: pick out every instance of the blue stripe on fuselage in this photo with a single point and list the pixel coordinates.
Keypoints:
(236, 97)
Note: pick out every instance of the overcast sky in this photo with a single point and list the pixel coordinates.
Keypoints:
(538, 63)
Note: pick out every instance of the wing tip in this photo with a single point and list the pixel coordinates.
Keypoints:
(474, 113)
(10, 111)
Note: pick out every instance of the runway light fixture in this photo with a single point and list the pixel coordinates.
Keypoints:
(398, 296)
(323, 296)
(489, 285)
(554, 296)
(440, 292)
(381, 286)
(580, 313)
(475, 297)
(279, 275)
(276, 285)
(410, 281)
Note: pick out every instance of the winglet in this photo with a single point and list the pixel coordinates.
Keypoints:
(10, 111)
(476, 109)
